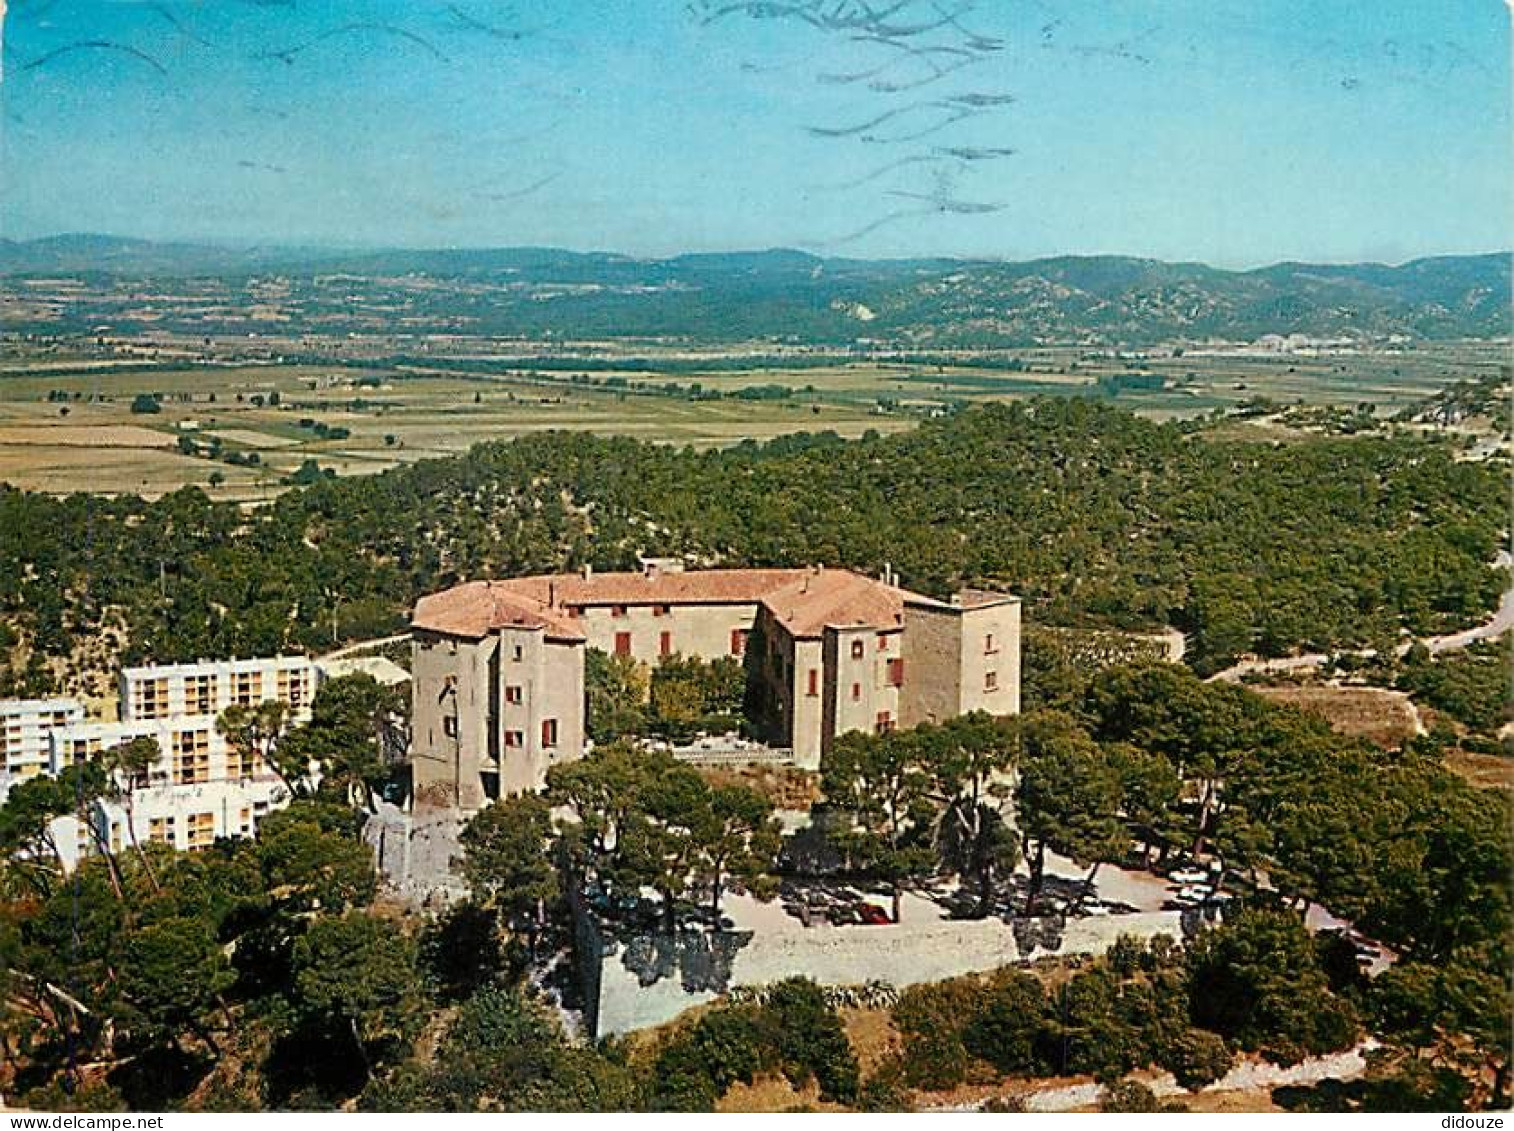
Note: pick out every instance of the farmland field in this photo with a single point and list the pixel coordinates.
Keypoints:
(240, 426)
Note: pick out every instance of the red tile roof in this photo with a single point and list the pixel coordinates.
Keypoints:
(476, 608)
(659, 587)
(805, 601)
(837, 598)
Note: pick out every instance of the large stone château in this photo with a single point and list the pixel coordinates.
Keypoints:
(498, 666)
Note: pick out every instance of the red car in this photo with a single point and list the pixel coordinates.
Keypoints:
(872, 914)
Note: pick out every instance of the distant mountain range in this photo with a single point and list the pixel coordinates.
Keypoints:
(791, 295)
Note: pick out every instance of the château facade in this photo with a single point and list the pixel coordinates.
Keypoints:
(498, 666)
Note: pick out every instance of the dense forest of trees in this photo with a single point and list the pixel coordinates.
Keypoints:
(262, 973)
(1096, 516)
(1147, 762)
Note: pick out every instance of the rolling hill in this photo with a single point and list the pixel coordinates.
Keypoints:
(790, 295)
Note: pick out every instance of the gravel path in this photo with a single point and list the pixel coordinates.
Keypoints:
(1249, 1075)
(1500, 622)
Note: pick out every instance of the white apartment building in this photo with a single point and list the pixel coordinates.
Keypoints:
(208, 687)
(25, 724)
(194, 751)
(201, 788)
(188, 816)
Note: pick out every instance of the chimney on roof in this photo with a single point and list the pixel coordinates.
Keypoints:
(649, 569)
(888, 574)
(551, 594)
(587, 572)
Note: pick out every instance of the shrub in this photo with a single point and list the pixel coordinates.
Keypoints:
(809, 1040)
(1128, 1096)
(793, 1030)
(932, 1019)
(1197, 1058)
(1256, 981)
(680, 1081)
(728, 1043)
(1008, 1028)
(883, 1091)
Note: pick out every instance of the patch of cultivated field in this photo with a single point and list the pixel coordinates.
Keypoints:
(110, 470)
(392, 415)
(48, 434)
(62, 445)
(255, 439)
(1384, 717)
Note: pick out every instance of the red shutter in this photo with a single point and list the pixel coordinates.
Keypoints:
(622, 643)
(738, 641)
(549, 732)
(665, 644)
(814, 682)
(896, 672)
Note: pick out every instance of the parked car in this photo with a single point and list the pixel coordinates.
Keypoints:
(872, 915)
(1365, 947)
(1195, 895)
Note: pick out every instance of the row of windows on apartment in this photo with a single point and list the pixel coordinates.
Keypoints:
(15, 727)
(189, 756)
(201, 828)
(149, 698)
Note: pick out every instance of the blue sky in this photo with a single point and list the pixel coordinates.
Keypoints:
(1233, 133)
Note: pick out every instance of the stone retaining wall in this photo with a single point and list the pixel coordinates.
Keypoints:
(637, 981)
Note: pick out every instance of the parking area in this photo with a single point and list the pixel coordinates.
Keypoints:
(821, 901)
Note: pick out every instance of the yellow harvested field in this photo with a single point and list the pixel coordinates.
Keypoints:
(107, 470)
(253, 439)
(399, 412)
(1374, 713)
(83, 436)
